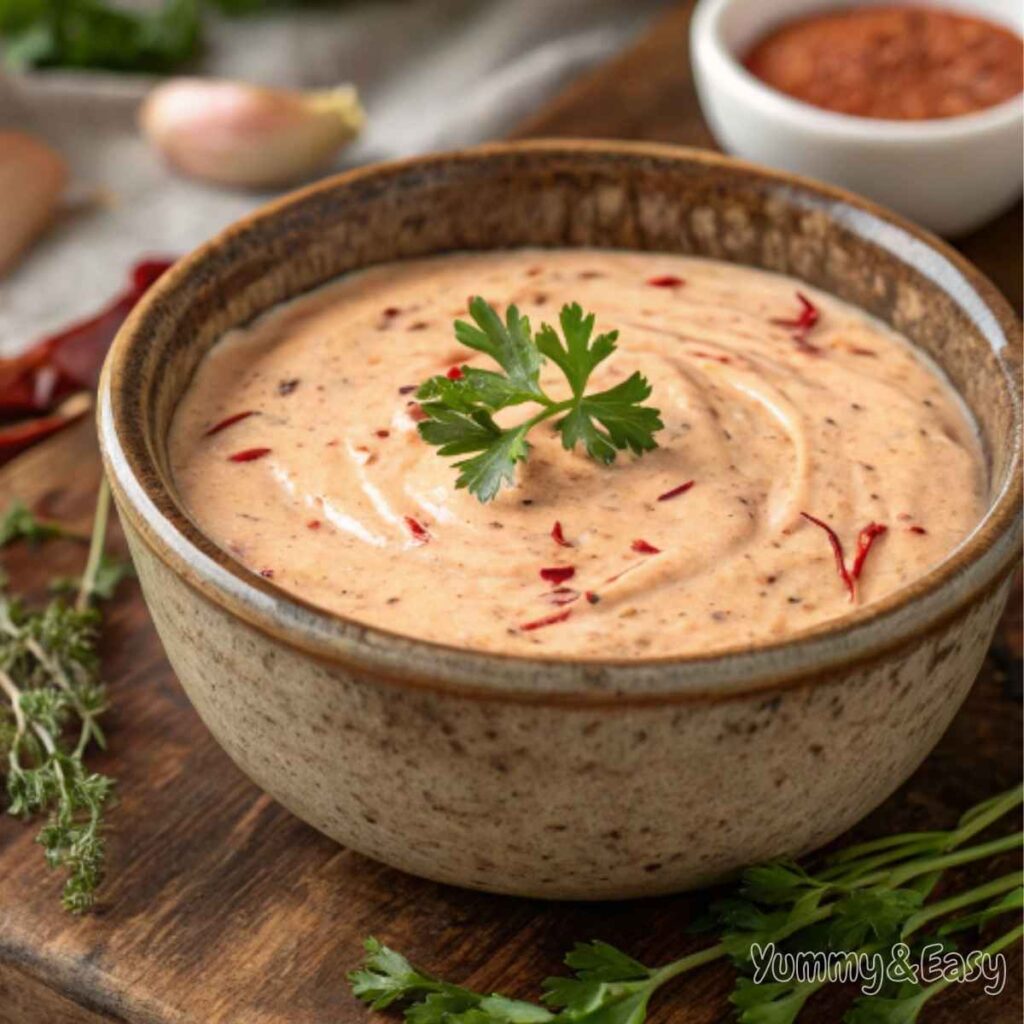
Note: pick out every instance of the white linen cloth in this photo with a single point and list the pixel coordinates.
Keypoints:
(432, 74)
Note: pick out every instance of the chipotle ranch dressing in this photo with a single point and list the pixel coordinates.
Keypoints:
(352, 511)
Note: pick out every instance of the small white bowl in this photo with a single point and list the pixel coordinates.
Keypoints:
(950, 174)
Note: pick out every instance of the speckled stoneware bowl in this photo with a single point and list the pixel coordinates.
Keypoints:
(559, 777)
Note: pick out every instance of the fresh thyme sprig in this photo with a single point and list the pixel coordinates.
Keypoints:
(49, 715)
(460, 407)
(862, 900)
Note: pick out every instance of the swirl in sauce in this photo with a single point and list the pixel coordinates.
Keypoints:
(346, 507)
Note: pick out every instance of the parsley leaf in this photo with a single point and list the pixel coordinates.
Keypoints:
(459, 412)
(19, 523)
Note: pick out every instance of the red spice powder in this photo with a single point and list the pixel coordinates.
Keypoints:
(249, 455)
(676, 491)
(895, 62)
(548, 620)
(558, 536)
(558, 574)
(419, 532)
(228, 422)
(314, 524)
(644, 548)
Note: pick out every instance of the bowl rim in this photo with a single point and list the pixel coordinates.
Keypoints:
(709, 46)
(976, 567)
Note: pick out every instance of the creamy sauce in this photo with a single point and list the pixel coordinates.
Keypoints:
(352, 511)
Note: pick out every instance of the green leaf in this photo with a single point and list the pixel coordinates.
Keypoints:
(577, 358)
(19, 523)
(484, 474)
(876, 1010)
(769, 1002)
(626, 423)
(876, 913)
(509, 344)
(599, 961)
(386, 976)
(456, 432)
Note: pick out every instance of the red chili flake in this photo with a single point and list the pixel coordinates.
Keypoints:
(314, 524)
(419, 532)
(383, 433)
(712, 355)
(419, 325)
(558, 574)
(286, 387)
(267, 574)
(917, 529)
(563, 595)
(249, 454)
(390, 311)
(228, 422)
(865, 539)
(407, 389)
(802, 324)
(416, 412)
(858, 351)
(644, 548)
(558, 537)
(548, 620)
(676, 491)
(665, 281)
(837, 550)
(591, 597)
(454, 374)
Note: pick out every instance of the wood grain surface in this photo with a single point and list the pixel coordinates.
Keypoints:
(221, 907)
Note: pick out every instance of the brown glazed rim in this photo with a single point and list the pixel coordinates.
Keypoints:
(861, 638)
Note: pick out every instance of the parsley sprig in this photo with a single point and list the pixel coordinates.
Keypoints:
(51, 699)
(460, 411)
(862, 899)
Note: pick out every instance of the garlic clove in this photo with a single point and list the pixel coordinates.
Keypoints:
(247, 136)
(32, 180)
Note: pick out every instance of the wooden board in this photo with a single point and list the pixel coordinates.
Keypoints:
(221, 907)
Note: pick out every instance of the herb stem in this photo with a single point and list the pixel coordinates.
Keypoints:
(964, 899)
(96, 545)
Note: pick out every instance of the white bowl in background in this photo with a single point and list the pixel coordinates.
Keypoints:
(950, 174)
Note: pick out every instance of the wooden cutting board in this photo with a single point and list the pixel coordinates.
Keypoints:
(221, 907)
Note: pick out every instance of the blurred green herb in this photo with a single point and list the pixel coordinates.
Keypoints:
(864, 899)
(51, 699)
(107, 35)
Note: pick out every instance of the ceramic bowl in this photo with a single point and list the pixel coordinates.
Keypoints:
(950, 174)
(557, 777)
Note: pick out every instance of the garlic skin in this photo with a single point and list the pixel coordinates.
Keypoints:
(32, 180)
(247, 136)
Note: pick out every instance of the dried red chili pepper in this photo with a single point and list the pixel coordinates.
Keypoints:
(558, 536)
(419, 532)
(249, 455)
(548, 620)
(644, 548)
(837, 550)
(558, 574)
(229, 421)
(802, 324)
(865, 539)
(676, 491)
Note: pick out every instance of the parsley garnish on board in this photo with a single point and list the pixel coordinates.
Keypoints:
(51, 698)
(864, 899)
(459, 407)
